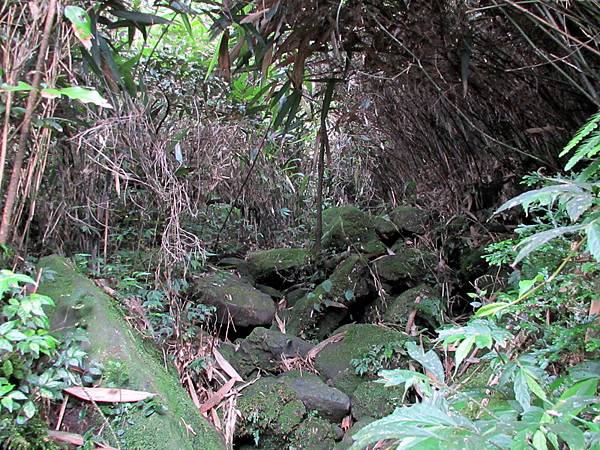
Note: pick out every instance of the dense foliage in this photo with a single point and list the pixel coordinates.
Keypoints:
(531, 342)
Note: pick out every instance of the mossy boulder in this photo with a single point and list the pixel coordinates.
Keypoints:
(331, 403)
(409, 219)
(270, 411)
(322, 310)
(407, 265)
(80, 303)
(373, 399)
(423, 299)
(264, 349)
(234, 299)
(334, 362)
(348, 226)
(275, 267)
(386, 229)
(314, 433)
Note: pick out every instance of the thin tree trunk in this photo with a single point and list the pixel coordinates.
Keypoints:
(13, 185)
(321, 172)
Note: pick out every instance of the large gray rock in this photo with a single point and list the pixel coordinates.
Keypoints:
(331, 403)
(324, 309)
(409, 219)
(408, 264)
(277, 266)
(264, 349)
(373, 399)
(81, 304)
(334, 362)
(234, 299)
(348, 226)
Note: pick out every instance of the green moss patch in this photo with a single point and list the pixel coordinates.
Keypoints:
(277, 265)
(79, 302)
(334, 361)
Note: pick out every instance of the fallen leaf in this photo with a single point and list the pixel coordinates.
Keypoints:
(346, 423)
(217, 397)
(108, 395)
(72, 438)
(225, 366)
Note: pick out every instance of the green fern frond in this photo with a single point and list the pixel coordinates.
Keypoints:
(586, 149)
(581, 134)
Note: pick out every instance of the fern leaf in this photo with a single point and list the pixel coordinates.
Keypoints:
(587, 149)
(582, 133)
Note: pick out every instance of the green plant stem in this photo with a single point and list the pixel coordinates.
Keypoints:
(557, 272)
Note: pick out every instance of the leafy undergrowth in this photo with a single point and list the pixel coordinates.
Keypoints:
(534, 346)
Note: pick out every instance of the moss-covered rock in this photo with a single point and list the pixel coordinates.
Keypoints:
(373, 399)
(263, 349)
(276, 266)
(322, 311)
(334, 361)
(235, 300)
(386, 229)
(348, 226)
(409, 219)
(331, 403)
(313, 434)
(80, 303)
(408, 264)
(423, 299)
(270, 411)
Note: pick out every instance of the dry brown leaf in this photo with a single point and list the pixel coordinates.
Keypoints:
(299, 64)
(215, 399)
(254, 17)
(312, 354)
(72, 438)
(193, 394)
(346, 423)
(108, 395)
(225, 366)
(280, 323)
(224, 61)
(266, 62)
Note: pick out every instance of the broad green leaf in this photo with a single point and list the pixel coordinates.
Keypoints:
(7, 326)
(463, 350)
(539, 440)
(572, 435)
(430, 360)
(82, 25)
(20, 87)
(84, 95)
(8, 403)
(545, 195)
(534, 386)
(491, 309)
(5, 389)
(593, 239)
(534, 242)
(15, 335)
(578, 204)
(29, 409)
(522, 390)
(7, 368)
(327, 285)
